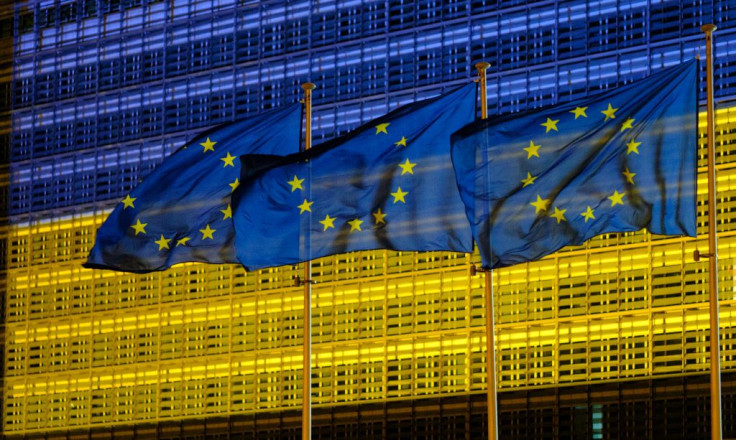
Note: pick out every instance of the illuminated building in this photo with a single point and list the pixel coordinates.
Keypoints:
(606, 341)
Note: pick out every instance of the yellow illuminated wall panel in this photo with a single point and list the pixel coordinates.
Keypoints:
(89, 348)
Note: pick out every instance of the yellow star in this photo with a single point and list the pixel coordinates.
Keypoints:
(628, 124)
(234, 185)
(296, 183)
(328, 222)
(139, 227)
(381, 128)
(401, 142)
(551, 124)
(128, 202)
(529, 180)
(399, 195)
(305, 206)
(207, 232)
(227, 212)
(629, 176)
(163, 243)
(579, 111)
(610, 112)
(588, 214)
(355, 224)
(559, 214)
(182, 241)
(540, 204)
(617, 198)
(228, 160)
(407, 167)
(532, 150)
(380, 217)
(632, 147)
(208, 145)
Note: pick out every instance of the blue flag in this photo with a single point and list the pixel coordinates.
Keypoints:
(620, 161)
(387, 185)
(181, 212)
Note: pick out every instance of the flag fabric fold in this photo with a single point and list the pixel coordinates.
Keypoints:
(389, 184)
(619, 161)
(181, 212)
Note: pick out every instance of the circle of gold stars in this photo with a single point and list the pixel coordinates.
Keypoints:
(208, 232)
(357, 224)
(541, 205)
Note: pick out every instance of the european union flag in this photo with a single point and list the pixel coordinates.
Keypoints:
(181, 212)
(620, 161)
(387, 185)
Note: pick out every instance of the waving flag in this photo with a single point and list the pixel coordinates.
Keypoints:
(620, 161)
(181, 212)
(387, 185)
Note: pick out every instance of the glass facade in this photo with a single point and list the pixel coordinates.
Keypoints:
(101, 91)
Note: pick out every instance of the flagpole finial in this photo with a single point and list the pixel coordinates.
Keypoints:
(708, 28)
(482, 66)
(309, 86)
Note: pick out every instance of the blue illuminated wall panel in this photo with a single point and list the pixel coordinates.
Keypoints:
(117, 77)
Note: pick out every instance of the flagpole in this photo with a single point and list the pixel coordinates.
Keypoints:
(715, 352)
(307, 283)
(490, 326)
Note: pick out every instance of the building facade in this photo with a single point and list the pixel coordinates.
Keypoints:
(607, 340)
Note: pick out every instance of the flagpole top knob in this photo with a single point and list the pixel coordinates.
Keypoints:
(708, 28)
(482, 65)
(309, 86)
